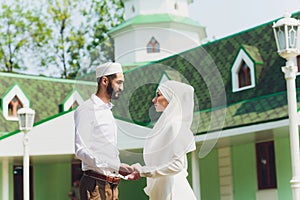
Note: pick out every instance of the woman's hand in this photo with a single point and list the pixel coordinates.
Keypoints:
(134, 175)
(125, 169)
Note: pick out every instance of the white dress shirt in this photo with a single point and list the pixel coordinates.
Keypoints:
(96, 137)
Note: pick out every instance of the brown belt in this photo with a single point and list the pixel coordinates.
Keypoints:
(110, 179)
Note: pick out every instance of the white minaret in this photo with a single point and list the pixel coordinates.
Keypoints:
(155, 29)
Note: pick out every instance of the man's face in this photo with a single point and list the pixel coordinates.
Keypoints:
(115, 87)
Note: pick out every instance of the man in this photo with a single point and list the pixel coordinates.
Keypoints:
(96, 137)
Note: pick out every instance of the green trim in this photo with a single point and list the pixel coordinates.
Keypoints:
(129, 66)
(143, 66)
(59, 80)
(9, 134)
(157, 61)
(255, 63)
(53, 117)
(155, 18)
(9, 89)
(68, 97)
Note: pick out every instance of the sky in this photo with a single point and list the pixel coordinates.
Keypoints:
(225, 17)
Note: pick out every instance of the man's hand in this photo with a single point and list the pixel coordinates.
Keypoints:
(125, 169)
(130, 172)
(134, 175)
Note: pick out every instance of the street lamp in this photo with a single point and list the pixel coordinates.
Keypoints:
(26, 119)
(286, 32)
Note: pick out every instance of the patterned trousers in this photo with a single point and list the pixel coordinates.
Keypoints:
(96, 189)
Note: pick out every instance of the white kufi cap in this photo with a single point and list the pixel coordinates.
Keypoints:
(108, 69)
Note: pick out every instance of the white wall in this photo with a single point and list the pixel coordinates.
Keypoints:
(131, 46)
(146, 7)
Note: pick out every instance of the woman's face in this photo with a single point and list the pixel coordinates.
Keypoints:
(160, 102)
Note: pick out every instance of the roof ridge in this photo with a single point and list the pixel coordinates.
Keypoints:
(37, 77)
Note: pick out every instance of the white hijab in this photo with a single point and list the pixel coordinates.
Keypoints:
(171, 137)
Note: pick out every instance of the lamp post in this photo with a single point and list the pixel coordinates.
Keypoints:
(26, 119)
(286, 32)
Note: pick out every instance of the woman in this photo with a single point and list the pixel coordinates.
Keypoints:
(170, 140)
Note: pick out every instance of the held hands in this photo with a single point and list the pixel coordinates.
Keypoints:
(125, 169)
(135, 175)
(130, 172)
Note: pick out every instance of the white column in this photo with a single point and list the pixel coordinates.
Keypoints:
(196, 174)
(5, 179)
(290, 75)
(26, 167)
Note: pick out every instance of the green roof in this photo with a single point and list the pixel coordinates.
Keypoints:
(253, 53)
(199, 66)
(156, 18)
(207, 68)
(45, 94)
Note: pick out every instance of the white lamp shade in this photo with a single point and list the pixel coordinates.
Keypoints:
(26, 118)
(287, 36)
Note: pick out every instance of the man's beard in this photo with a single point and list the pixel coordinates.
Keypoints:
(111, 92)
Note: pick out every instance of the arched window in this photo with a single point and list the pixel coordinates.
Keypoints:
(244, 75)
(14, 105)
(12, 101)
(243, 71)
(153, 46)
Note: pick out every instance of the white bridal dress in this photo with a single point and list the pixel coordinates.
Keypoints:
(167, 145)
